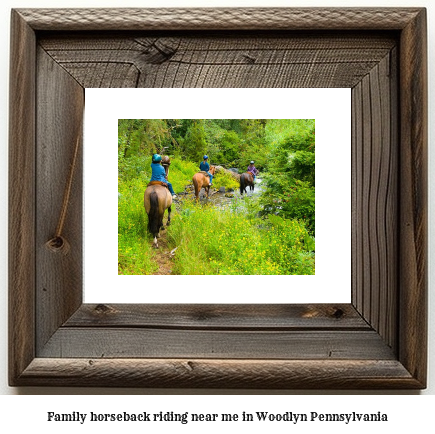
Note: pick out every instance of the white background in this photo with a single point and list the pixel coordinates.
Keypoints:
(407, 412)
(331, 110)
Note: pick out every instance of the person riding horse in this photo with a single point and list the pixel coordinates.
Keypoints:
(253, 170)
(205, 167)
(158, 173)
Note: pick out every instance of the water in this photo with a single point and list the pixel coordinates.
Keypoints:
(232, 198)
(228, 199)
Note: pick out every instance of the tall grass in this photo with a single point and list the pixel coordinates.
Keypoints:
(209, 240)
(229, 241)
(135, 254)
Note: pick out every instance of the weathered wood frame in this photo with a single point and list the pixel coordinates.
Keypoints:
(377, 341)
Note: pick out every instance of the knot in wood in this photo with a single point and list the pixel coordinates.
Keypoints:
(338, 313)
(103, 309)
(58, 244)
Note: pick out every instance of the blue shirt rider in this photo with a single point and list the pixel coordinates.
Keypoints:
(158, 173)
(205, 167)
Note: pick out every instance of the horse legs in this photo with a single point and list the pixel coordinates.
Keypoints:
(157, 234)
(169, 217)
(197, 188)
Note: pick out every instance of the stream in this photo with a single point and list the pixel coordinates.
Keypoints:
(223, 199)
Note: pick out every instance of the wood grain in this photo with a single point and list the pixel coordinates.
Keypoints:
(220, 18)
(227, 374)
(59, 280)
(375, 197)
(235, 60)
(280, 317)
(95, 342)
(21, 197)
(413, 197)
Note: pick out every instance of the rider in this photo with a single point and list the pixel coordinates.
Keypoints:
(252, 169)
(205, 167)
(159, 174)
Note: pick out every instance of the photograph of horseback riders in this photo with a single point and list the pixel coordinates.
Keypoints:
(216, 196)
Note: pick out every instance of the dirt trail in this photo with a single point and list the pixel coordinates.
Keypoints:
(163, 257)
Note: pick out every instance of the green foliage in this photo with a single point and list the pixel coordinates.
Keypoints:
(224, 179)
(133, 167)
(280, 243)
(254, 146)
(229, 241)
(290, 182)
(291, 200)
(181, 173)
(228, 142)
(145, 136)
(215, 134)
(229, 149)
(301, 165)
(194, 144)
(135, 255)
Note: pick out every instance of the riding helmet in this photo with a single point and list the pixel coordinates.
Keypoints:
(205, 157)
(252, 162)
(157, 158)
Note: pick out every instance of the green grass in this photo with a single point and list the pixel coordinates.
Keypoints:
(135, 252)
(134, 247)
(225, 241)
(209, 240)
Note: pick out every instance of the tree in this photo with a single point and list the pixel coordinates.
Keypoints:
(143, 136)
(291, 179)
(194, 143)
(229, 148)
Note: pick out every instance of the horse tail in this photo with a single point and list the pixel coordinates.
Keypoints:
(153, 216)
(242, 184)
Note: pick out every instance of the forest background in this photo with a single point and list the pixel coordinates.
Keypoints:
(272, 233)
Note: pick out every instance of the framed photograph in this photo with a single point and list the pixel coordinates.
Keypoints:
(375, 341)
(242, 244)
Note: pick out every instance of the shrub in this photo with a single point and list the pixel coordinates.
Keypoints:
(228, 241)
(224, 179)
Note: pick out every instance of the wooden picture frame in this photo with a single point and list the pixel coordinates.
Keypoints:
(376, 342)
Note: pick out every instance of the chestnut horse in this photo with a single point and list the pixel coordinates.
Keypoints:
(246, 179)
(157, 199)
(200, 180)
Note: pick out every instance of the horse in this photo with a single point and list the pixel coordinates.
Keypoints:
(201, 179)
(246, 179)
(158, 199)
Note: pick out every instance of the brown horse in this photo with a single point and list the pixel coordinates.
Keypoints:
(246, 179)
(200, 180)
(157, 199)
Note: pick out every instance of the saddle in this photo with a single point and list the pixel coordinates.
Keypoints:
(158, 183)
(204, 172)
